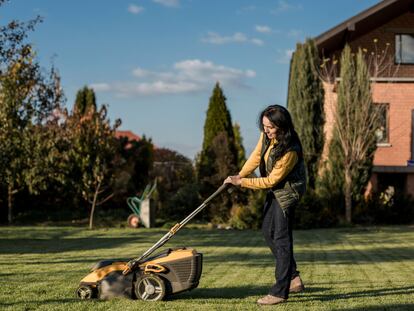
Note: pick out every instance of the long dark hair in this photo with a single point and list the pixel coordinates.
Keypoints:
(286, 135)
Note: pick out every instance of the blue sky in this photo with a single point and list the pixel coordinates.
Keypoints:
(155, 62)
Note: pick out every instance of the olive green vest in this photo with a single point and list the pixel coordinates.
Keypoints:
(289, 190)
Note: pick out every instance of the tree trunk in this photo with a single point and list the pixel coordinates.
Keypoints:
(348, 196)
(95, 197)
(10, 204)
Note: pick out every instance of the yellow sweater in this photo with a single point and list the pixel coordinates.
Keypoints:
(281, 169)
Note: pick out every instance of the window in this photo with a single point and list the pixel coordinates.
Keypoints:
(382, 131)
(404, 48)
(396, 180)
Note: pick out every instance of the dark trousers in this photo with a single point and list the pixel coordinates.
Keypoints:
(277, 231)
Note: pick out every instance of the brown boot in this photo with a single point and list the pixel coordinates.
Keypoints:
(296, 285)
(270, 300)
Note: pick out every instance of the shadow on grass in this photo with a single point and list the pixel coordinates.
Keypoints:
(222, 292)
(406, 290)
(42, 246)
(384, 307)
(235, 292)
(34, 240)
(374, 255)
(55, 240)
(37, 303)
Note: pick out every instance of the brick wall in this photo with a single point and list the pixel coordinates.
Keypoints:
(400, 97)
(386, 34)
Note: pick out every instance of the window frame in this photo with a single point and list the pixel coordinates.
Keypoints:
(398, 45)
(386, 142)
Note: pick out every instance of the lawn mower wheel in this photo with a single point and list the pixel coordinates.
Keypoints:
(150, 287)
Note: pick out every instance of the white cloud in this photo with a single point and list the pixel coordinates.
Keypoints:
(139, 72)
(128, 89)
(250, 73)
(101, 87)
(192, 75)
(154, 88)
(289, 52)
(257, 41)
(169, 3)
(135, 9)
(197, 70)
(238, 37)
(263, 29)
(284, 56)
(284, 6)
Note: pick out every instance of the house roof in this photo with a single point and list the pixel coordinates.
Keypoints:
(360, 24)
(128, 134)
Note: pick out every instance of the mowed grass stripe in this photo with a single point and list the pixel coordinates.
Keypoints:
(333, 270)
(222, 262)
(390, 273)
(364, 285)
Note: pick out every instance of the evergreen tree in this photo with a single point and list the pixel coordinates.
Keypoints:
(305, 102)
(331, 183)
(218, 118)
(218, 158)
(238, 139)
(85, 100)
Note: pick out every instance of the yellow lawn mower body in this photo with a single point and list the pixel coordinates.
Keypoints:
(169, 272)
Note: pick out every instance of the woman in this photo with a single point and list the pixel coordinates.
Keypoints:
(278, 155)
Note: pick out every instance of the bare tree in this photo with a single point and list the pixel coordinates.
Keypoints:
(356, 118)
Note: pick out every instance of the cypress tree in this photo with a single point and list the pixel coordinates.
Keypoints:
(305, 102)
(218, 158)
(294, 88)
(218, 118)
(238, 140)
(331, 184)
(85, 100)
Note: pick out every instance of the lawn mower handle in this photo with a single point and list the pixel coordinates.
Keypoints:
(132, 263)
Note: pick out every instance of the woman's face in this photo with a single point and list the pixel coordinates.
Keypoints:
(269, 128)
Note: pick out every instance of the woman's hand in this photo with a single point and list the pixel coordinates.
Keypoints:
(235, 180)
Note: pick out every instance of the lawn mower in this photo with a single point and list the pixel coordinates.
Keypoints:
(148, 278)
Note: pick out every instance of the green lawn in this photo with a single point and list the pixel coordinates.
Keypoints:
(343, 269)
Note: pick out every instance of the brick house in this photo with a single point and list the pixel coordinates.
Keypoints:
(387, 26)
(128, 135)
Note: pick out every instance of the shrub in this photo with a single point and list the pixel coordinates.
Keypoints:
(386, 208)
(248, 216)
(313, 212)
